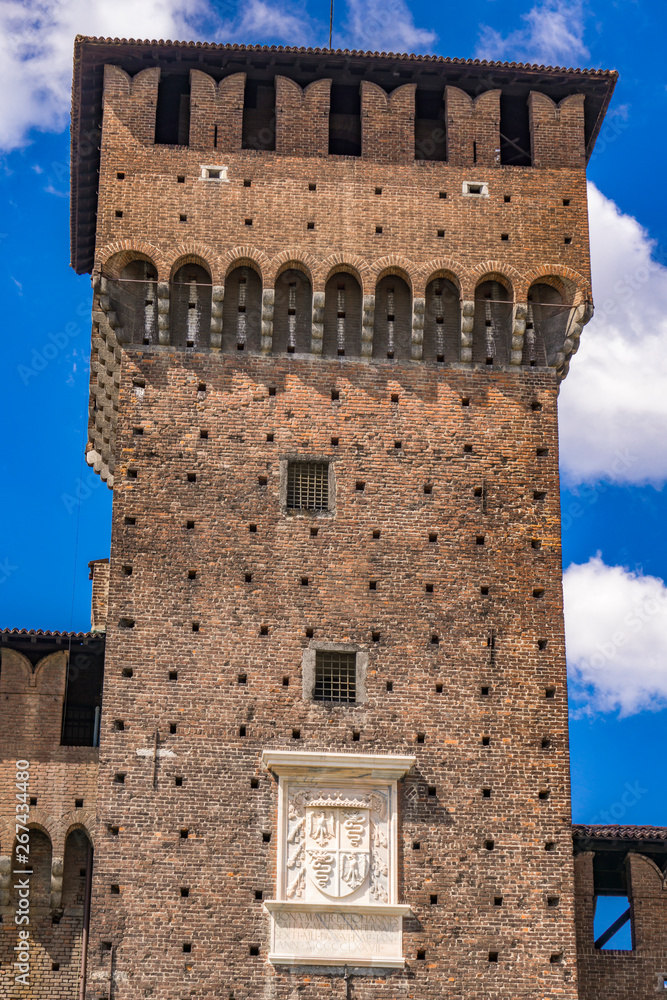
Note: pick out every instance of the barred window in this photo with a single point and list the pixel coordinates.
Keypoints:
(335, 677)
(308, 486)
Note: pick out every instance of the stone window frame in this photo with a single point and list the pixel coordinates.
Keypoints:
(467, 193)
(223, 168)
(311, 457)
(308, 672)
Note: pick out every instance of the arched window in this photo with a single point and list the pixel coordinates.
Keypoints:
(546, 325)
(292, 313)
(492, 328)
(75, 864)
(392, 329)
(190, 307)
(133, 297)
(242, 311)
(39, 860)
(442, 323)
(342, 316)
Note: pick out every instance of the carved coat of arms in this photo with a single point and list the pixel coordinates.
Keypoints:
(337, 846)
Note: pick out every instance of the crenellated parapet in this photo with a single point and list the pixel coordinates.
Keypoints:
(473, 128)
(131, 101)
(302, 117)
(388, 123)
(216, 111)
(557, 131)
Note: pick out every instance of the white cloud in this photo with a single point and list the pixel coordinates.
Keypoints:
(382, 26)
(613, 404)
(553, 34)
(260, 21)
(616, 632)
(36, 43)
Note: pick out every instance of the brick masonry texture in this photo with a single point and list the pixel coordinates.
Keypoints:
(437, 686)
(31, 700)
(445, 495)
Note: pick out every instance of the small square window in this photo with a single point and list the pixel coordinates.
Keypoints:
(335, 676)
(378, 230)
(308, 486)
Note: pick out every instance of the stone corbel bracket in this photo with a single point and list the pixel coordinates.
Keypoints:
(104, 383)
(467, 322)
(579, 317)
(367, 323)
(268, 303)
(5, 879)
(217, 298)
(418, 313)
(163, 312)
(520, 312)
(317, 336)
(57, 871)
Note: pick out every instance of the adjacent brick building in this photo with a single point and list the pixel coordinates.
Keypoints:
(334, 296)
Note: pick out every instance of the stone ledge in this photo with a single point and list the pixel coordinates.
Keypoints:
(356, 765)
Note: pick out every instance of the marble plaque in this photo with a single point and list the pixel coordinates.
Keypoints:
(336, 891)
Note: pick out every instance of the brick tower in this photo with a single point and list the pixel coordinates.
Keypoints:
(335, 294)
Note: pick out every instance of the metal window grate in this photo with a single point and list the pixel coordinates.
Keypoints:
(335, 677)
(79, 727)
(308, 486)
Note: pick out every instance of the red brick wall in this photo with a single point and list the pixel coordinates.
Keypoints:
(30, 720)
(473, 658)
(224, 861)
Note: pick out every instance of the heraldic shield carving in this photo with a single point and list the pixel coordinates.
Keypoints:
(337, 888)
(337, 846)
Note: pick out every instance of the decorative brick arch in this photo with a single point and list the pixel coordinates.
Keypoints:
(444, 267)
(194, 253)
(395, 264)
(244, 256)
(39, 680)
(572, 285)
(492, 270)
(300, 260)
(340, 263)
(79, 820)
(21, 662)
(48, 825)
(126, 251)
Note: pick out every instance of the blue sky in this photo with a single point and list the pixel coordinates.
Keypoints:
(56, 512)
